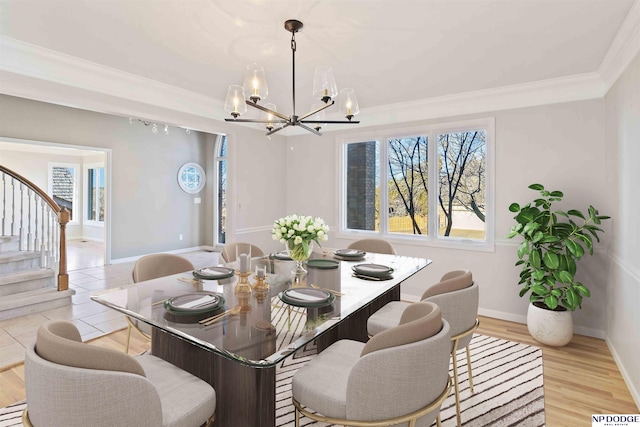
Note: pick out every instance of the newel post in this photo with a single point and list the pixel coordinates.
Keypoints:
(63, 277)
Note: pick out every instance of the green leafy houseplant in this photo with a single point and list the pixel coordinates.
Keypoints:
(553, 242)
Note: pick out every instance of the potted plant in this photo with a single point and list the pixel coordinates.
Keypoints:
(553, 241)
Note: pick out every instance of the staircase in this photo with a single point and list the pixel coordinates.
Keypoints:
(25, 288)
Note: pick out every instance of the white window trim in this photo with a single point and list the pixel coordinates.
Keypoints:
(382, 136)
(85, 186)
(77, 188)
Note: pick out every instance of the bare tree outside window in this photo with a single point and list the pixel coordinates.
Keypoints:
(398, 190)
(408, 185)
(462, 181)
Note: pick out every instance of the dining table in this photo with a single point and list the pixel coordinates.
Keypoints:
(233, 328)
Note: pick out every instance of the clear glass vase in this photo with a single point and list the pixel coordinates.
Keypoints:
(300, 253)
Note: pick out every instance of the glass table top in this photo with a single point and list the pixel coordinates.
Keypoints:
(260, 327)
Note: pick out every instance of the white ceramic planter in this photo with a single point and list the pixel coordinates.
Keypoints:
(554, 328)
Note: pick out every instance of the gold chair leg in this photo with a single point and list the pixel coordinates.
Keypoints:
(455, 381)
(438, 423)
(126, 350)
(26, 422)
(209, 422)
(297, 417)
(469, 370)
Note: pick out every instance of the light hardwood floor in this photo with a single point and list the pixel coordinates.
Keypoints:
(580, 379)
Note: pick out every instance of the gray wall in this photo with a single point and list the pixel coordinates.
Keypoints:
(148, 209)
(561, 146)
(622, 326)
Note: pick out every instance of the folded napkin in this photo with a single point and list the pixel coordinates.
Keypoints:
(303, 296)
(349, 252)
(211, 272)
(200, 301)
(372, 268)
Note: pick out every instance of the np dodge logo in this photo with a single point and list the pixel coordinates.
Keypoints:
(615, 420)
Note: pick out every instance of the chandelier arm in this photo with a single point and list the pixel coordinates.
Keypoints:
(266, 110)
(330, 122)
(271, 132)
(309, 129)
(255, 121)
(316, 111)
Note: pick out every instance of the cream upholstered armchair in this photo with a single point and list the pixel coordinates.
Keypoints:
(457, 296)
(228, 253)
(399, 376)
(159, 265)
(378, 246)
(151, 267)
(69, 383)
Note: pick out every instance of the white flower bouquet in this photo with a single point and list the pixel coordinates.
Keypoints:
(298, 231)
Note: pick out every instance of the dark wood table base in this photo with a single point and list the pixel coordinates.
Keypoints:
(246, 395)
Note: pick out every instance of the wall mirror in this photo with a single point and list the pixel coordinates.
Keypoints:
(191, 178)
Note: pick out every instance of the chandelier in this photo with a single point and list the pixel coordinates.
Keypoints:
(324, 87)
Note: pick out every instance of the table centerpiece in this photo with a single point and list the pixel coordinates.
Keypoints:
(298, 233)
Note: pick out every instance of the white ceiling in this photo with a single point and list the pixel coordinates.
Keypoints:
(390, 51)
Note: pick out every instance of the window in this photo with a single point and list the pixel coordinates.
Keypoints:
(433, 184)
(221, 189)
(63, 187)
(94, 193)
(191, 178)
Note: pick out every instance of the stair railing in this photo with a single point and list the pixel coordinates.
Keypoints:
(40, 224)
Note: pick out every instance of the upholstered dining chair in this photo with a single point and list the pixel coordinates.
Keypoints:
(151, 267)
(399, 376)
(373, 245)
(457, 296)
(229, 251)
(69, 383)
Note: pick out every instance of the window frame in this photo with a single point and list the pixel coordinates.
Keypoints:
(431, 131)
(217, 160)
(85, 181)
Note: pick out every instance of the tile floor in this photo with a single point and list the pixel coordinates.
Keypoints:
(91, 318)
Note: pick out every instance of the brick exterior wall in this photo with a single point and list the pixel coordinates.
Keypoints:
(361, 185)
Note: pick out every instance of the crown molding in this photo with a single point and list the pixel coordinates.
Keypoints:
(623, 49)
(33, 72)
(36, 64)
(564, 89)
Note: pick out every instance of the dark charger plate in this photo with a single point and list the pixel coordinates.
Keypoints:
(176, 311)
(306, 297)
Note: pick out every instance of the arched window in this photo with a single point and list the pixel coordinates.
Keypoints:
(220, 164)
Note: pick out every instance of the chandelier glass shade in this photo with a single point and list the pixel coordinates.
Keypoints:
(255, 90)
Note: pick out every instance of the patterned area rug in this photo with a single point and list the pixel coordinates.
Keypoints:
(507, 378)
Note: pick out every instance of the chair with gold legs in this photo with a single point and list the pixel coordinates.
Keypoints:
(71, 384)
(151, 267)
(399, 376)
(379, 246)
(457, 296)
(228, 253)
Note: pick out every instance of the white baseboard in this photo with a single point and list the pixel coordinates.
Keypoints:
(91, 239)
(577, 329)
(176, 251)
(502, 315)
(635, 393)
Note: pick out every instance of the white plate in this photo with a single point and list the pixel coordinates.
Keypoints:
(375, 270)
(350, 253)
